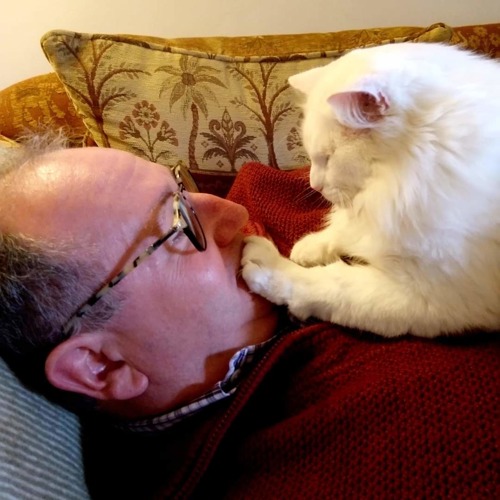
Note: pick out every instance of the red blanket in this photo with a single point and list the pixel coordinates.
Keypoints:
(282, 202)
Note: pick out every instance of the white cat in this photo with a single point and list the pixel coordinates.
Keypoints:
(404, 140)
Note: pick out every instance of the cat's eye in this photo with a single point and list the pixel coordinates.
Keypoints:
(320, 160)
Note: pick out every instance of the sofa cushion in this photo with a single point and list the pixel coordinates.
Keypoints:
(40, 451)
(484, 38)
(37, 103)
(215, 103)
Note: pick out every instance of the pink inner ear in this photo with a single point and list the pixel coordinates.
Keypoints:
(359, 109)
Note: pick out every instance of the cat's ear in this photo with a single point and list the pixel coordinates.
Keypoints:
(359, 109)
(304, 81)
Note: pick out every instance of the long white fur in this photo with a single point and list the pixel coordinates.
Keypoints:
(404, 140)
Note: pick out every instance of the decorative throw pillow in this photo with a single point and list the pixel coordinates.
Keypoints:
(215, 103)
(40, 452)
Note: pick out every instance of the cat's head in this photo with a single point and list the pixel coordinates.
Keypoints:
(366, 108)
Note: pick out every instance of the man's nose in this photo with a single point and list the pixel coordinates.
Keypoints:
(221, 219)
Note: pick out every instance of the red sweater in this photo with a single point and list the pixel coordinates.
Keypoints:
(328, 412)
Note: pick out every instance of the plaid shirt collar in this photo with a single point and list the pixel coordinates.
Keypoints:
(238, 364)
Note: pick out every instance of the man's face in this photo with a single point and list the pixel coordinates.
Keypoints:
(184, 312)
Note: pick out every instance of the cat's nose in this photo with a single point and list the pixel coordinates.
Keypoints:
(317, 186)
(316, 179)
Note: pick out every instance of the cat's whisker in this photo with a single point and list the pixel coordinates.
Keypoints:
(344, 200)
(320, 201)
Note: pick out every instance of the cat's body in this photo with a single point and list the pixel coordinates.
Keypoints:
(404, 140)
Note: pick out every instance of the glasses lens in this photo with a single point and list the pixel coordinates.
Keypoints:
(194, 231)
(184, 177)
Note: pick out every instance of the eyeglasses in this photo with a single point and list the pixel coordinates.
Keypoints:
(185, 220)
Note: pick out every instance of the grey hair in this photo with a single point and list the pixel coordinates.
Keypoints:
(28, 148)
(41, 282)
(41, 286)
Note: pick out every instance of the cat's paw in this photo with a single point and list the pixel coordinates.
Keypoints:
(264, 270)
(313, 250)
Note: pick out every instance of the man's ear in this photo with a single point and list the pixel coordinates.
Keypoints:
(82, 364)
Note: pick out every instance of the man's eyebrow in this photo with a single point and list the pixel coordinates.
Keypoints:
(157, 213)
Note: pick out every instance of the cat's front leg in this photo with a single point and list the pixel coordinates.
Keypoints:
(278, 279)
(265, 271)
(315, 249)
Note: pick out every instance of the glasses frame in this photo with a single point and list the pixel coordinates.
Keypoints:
(185, 220)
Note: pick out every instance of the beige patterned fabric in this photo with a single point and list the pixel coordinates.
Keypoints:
(214, 103)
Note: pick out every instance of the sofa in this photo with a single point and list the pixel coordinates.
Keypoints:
(214, 103)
